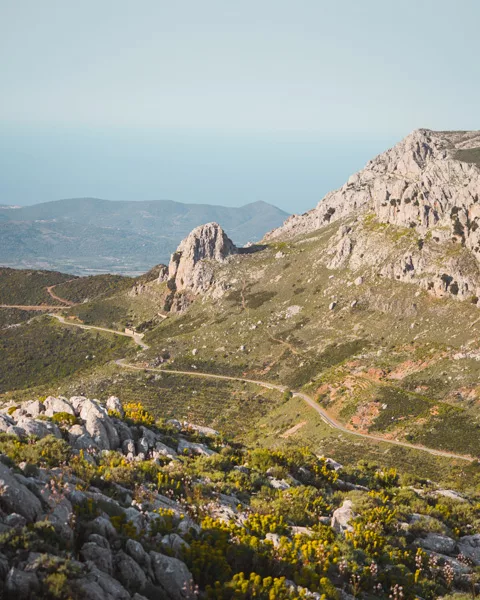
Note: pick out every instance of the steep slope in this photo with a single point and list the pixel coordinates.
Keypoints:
(100, 501)
(429, 181)
(429, 186)
(332, 310)
(88, 235)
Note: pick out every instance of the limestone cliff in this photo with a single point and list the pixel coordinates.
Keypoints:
(429, 181)
(412, 214)
(189, 267)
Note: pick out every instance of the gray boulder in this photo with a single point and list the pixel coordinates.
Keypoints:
(79, 438)
(175, 543)
(38, 429)
(173, 576)
(60, 516)
(129, 573)
(98, 424)
(56, 405)
(136, 551)
(6, 422)
(98, 585)
(15, 520)
(342, 517)
(99, 540)
(128, 447)
(438, 543)
(142, 446)
(15, 497)
(469, 546)
(21, 585)
(103, 527)
(100, 556)
(3, 567)
(136, 518)
(114, 403)
(123, 430)
(149, 436)
(34, 408)
(196, 448)
(163, 450)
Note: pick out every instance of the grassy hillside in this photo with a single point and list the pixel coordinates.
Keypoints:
(44, 352)
(385, 357)
(83, 289)
(28, 287)
(12, 316)
(89, 235)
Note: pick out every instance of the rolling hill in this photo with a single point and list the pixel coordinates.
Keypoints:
(89, 235)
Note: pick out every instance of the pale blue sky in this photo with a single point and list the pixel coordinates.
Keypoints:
(219, 100)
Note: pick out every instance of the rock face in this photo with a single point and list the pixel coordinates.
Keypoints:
(342, 517)
(423, 182)
(425, 190)
(16, 497)
(34, 496)
(189, 268)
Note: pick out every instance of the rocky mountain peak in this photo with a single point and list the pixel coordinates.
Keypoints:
(429, 180)
(188, 269)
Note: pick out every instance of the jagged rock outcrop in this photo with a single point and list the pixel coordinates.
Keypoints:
(422, 182)
(428, 193)
(189, 268)
(192, 267)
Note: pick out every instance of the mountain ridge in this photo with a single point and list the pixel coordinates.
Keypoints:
(87, 236)
(424, 154)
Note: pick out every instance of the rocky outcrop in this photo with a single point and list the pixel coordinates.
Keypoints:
(189, 267)
(423, 182)
(50, 499)
(16, 497)
(342, 517)
(173, 576)
(412, 215)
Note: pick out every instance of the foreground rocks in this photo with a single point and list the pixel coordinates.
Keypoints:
(102, 507)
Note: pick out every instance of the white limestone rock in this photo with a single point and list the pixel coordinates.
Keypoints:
(189, 267)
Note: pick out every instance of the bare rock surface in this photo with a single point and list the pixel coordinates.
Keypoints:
(342, 517)
(16, 497)
(418, 181)
(189, 267)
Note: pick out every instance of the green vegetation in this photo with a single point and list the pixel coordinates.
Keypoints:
(86, 288)
(27, 287)
(43, 352)
(269, 537)
(12, 316)
(228, 406)
(469, 155)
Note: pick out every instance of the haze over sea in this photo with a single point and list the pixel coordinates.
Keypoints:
(222, 102)
(291, 170)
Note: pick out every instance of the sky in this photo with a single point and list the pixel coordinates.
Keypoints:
(221, 101)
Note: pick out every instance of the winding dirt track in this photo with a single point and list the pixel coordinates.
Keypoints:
(330, 421)
(37, 307)
(136, 337)
(55, 297)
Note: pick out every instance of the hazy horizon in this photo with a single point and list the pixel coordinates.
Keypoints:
(291, 171)
(222, 103)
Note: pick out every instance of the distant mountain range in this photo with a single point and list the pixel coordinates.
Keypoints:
(90, 235)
